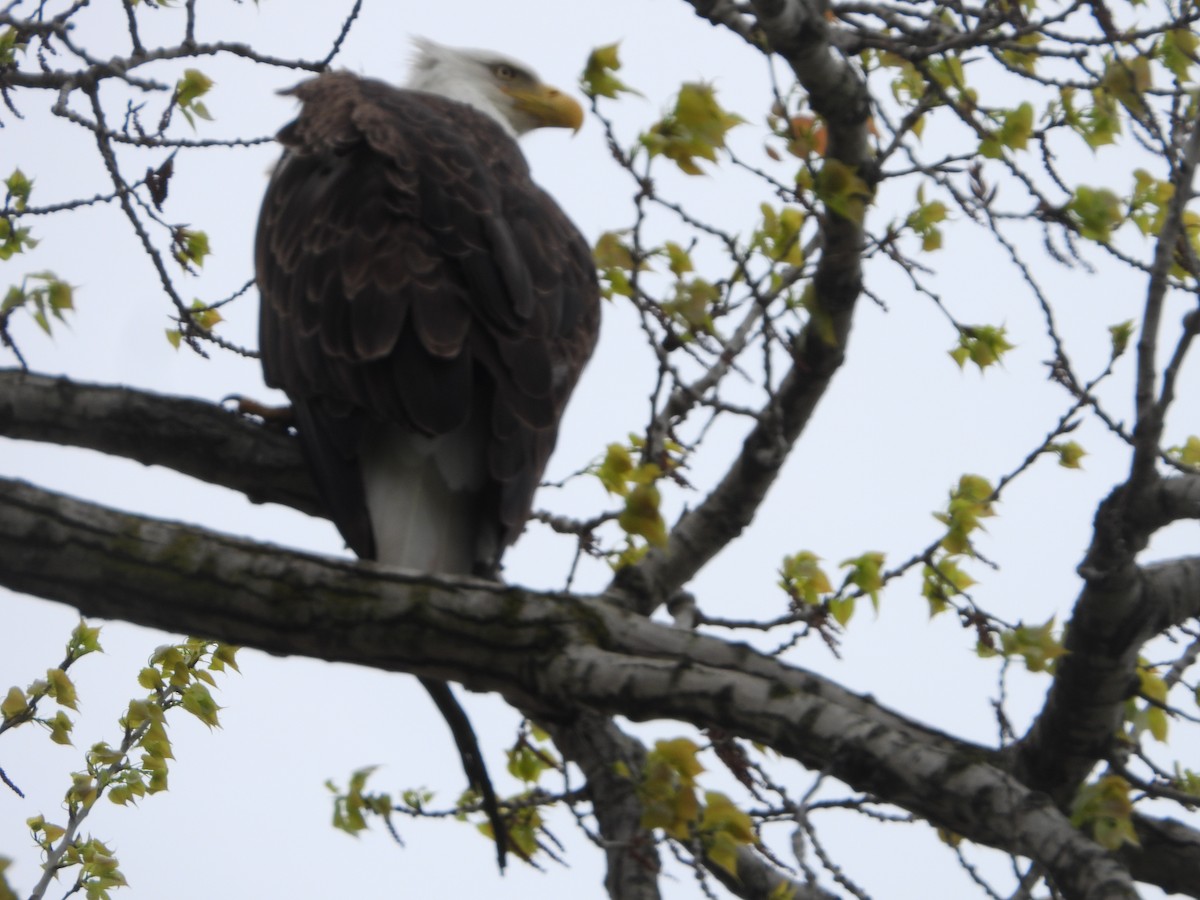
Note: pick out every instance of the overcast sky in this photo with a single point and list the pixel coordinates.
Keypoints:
(247, 814)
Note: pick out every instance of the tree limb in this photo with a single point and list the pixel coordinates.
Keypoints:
(1173, 500)
(1152, 410)
(600, 748)
(1169, 855)
(550, 654)
(797, 30)
(1112, 620)
(190, 436)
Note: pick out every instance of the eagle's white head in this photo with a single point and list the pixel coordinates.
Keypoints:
(496, 85)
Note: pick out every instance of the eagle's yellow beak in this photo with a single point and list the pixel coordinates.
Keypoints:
(549, 106)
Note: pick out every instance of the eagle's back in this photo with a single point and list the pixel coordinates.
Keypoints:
(417, 284)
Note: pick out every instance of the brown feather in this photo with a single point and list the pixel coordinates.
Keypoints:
(413, 276)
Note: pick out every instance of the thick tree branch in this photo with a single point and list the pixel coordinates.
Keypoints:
(1113, 618)
(796, 29)
(1173, 500)
(194, 437)
(550, 654)
(595, 744)
(1169, 855)
(755, 880)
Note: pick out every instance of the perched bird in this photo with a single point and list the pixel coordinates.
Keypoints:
(427, 308)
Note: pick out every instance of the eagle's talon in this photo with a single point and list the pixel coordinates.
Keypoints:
(273, 416)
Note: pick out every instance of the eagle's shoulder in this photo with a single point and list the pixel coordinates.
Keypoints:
(341, 110)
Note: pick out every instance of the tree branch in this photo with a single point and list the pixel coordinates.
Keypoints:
(1169, 855)
(1113, 619)
(595, 744)
(797, 30)
(190, 436)
(550, 654)
(1152, 410)
(1173, 500)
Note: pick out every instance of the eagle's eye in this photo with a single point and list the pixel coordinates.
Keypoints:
(504, 71)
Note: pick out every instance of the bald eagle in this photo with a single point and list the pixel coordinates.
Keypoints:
(426, 307)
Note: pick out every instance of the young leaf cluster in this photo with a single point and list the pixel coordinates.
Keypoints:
(177, 675)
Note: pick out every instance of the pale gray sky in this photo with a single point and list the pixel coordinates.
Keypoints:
(247, 815)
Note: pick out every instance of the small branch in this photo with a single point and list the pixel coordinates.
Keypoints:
(1152, 410)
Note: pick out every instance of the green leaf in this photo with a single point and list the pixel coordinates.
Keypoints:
(1149, 202)
(193, 85)
(1121, 335)
(969, 502)
(224, 655)
(841, 189)
(45, 833)
(190, 246)
(692, 305)
(681, 754)
(84, 640)
(1188, 454)
(14, 704)
(1100, 124)
(667, 790)
(348, 808)
(866, 574)
(203, 316)
(61, 688)
(101, 754)
(984, 345)
(679, 261)
(527, 764)
(724, 829)
(199, 702)
(83, 791)
(1104, 808)
(13, 240)
(1069, 454)
(614, 259)
(1128, 80)
(155, 771)
(842, 609)
(641, 515)
(10, 43)
(60, 728)
(615, 470)
(778, 237)
(923, 221)
(1095, 212)
(19, 187)
(1152, 715)
(1020, 59)
(803, 579)
(1016, 127)
(694, 129)
(6, 891)
(598, 79)
(1037, 645)
(1177, 51)
(611, 251)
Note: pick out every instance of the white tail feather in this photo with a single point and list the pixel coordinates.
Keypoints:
(423, 498)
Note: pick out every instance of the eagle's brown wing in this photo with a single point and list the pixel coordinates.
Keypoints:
(413, 275)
